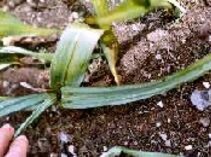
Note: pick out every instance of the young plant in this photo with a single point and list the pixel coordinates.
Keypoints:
(69, 64)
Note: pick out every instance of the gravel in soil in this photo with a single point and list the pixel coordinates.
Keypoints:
(151, 48)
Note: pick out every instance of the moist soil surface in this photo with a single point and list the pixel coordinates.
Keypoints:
(150, 47)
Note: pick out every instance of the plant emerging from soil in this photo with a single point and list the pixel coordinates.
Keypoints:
(71, 59)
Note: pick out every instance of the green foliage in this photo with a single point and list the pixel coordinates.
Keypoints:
(72, 56)
(119, 151)
(70, 62)
(128, 10)
(12, 105)
(82, 98)
(12, 54)
(11, 26)
(49, 100)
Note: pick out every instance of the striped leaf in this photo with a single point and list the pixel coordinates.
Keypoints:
(49, 100)
(73, 54)
(12, 105)
(82, 98)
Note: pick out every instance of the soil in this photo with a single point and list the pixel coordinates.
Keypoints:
(151, 47)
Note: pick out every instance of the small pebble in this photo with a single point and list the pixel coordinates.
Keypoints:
(168, 143)
(158, 124)
(201, 99)
(160, 104)
(206, 85)
(163, 136)
(188, 147)
(205, 122)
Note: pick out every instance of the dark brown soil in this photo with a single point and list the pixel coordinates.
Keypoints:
(151, 47)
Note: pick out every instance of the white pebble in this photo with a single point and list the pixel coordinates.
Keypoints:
(160, 104)
(206, 85)
(188, 147)
(163, 136)
(158, 124)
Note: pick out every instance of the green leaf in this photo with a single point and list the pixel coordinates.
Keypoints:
(109, 42)
(82, 98)
(73, 53)
(12, 105)
(50, 99)
(130, 9)
(110, 47)
(12, 54)
(101, 7)
(11, 26)
(118, 151)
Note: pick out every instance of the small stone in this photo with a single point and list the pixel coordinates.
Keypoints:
(158, 124)
(158, 57)
(71, 149)
(188, 147)
(160, 104)
(105, 149)
(201, 99)
(163, 136)
(205, 122)
(206, 85)
(64, 138)
(168, 143)
(209, 135)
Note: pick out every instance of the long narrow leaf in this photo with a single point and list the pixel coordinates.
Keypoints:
(12, 54)
(118, 151)
(73, 54)
(110, 47)
(82, 98)
(50, 99)
(130, 9)
(12, 105)
(11, 26)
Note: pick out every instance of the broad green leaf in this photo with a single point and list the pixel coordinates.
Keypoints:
(49, 100)
(11, 26)
(82, 98)
(12, 54)
(73, 53)
(12, 105)
(119, 151)
(130, 9)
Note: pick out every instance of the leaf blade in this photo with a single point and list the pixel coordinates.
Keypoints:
(73, 53)
(11, 26)
(12, 105)
(49, 101)
(82, 98)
